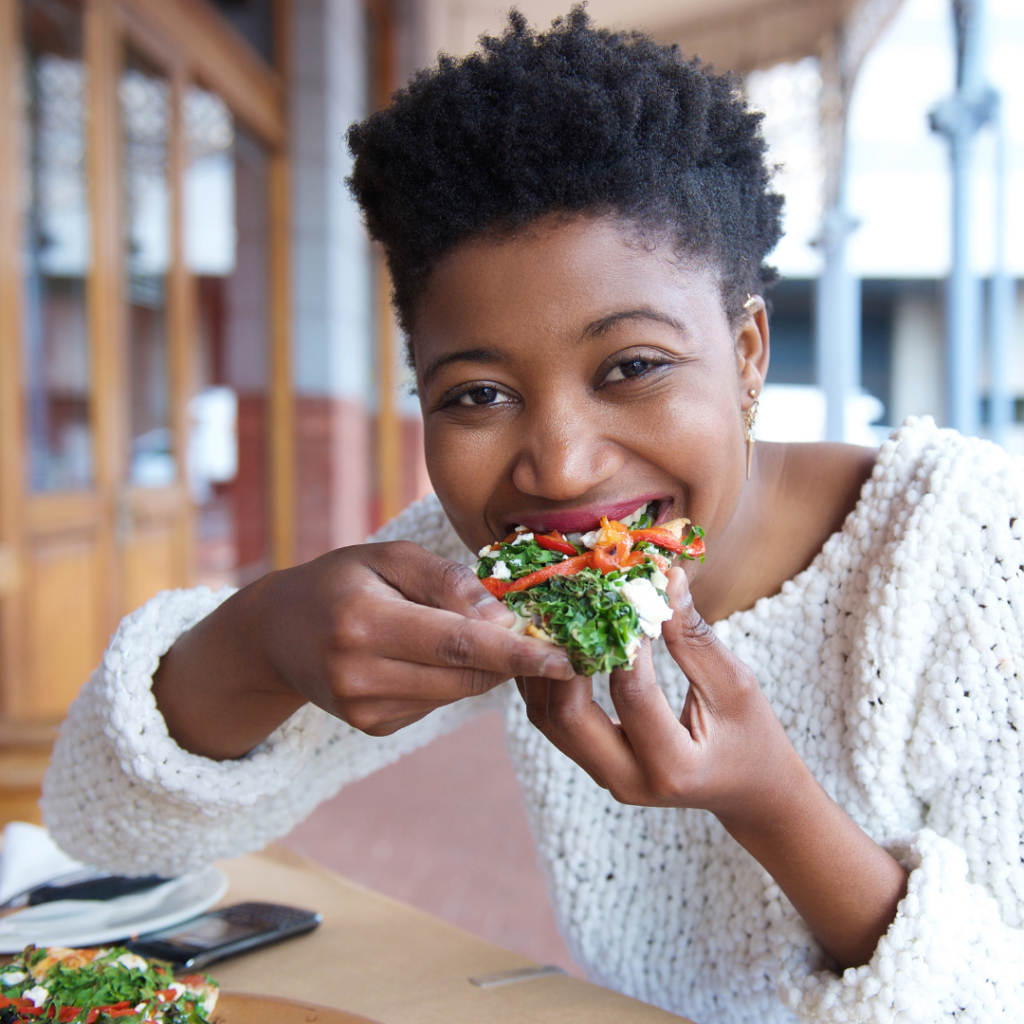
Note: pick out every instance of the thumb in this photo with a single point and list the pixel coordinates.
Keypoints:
(708, 664)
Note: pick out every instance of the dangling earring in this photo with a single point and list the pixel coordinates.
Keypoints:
(749, 419)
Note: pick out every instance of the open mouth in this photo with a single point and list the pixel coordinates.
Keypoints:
(579, 521)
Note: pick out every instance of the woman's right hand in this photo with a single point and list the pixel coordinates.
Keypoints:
(379, 635)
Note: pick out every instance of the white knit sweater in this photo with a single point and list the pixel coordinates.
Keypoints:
(895, 662)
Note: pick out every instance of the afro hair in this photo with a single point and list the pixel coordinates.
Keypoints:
(577, 120)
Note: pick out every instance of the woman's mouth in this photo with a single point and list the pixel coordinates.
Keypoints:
(583, 520)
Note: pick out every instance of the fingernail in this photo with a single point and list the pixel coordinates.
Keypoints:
(496, 611)
(680, 585)
(557, 666)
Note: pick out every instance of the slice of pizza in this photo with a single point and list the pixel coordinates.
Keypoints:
(97, 986)
(596, 595)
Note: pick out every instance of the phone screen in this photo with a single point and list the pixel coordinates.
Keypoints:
(224, 932)
(205, 932)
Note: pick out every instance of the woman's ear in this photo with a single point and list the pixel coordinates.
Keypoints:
(752, 348)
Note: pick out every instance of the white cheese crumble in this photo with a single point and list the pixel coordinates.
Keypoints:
(523, 538)
(36, 995)
(13, 977)
(660, 580)
(589, 540)
(651, 606)
(500, 571)
(484, 551)
(132, 962)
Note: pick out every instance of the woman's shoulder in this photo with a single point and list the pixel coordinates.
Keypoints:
(425, 523)
(938, 531)
(936, 513)
(939, 482)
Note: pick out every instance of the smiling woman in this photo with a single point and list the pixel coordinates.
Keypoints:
(826, 778)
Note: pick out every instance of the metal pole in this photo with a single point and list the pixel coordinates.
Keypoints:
(959, 119)
(836, 322)
(1001, 302)
(837, 294)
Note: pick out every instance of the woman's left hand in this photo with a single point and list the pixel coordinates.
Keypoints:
(726, 753)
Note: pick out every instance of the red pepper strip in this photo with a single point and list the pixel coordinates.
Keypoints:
(91, 1016)
(571, 566)
(128, 1011)
(660, 561)
(611, 558)
(635, 558)
(695, 550)
(68, 1013)
(662, 538)
(496, 587)
(554, 541)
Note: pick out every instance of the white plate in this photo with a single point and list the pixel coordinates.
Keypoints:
(92, 923)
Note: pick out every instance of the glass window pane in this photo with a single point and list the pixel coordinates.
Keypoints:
(254, 20)
(226, 248)
(57, 248)
(145, 105)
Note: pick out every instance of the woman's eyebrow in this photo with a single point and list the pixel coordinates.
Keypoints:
(467, 355)
(606, 323)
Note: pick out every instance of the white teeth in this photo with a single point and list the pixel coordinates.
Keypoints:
(634, 517)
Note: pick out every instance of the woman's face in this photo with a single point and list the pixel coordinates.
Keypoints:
(569, 372)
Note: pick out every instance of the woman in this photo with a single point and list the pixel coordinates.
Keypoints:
(576, 225)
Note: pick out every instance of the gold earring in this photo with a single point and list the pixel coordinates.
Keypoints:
(750, 303)
(749, 419)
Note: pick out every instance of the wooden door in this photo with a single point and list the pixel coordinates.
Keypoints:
(149, 391)
(56, 616)
(101, 327)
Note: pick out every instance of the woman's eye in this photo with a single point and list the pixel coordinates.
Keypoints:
(627, 370)
(482, 396)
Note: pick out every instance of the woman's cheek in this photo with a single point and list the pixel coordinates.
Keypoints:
(464, 472)
(708, 457)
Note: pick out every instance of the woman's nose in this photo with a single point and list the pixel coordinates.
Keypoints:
(563, 458)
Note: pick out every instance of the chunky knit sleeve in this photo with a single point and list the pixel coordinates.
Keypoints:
(938, 728)
(121, 794)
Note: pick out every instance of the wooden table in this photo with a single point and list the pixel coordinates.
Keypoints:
(382, 959)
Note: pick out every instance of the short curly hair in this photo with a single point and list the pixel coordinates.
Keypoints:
(577, 120)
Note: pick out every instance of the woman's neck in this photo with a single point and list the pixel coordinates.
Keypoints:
(797, 497)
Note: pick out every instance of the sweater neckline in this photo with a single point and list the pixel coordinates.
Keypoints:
(763, 606)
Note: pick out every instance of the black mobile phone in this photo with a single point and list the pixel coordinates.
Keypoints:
(223, 933)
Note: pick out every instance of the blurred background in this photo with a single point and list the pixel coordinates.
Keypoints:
(200, 378)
